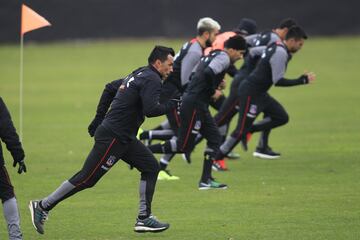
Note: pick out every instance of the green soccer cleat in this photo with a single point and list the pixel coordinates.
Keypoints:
(38, 216)
(211, 184)
(166, 175)
(150, 224)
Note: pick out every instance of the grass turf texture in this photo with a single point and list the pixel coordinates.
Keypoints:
(311, 192)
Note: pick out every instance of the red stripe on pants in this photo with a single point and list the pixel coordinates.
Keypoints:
(98, 165)
(189, 130)
(244, 116)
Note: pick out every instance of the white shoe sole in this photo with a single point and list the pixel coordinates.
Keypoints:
(32, 213)
(143, 229)
(32, 217)
(264, 156)
(209, 188)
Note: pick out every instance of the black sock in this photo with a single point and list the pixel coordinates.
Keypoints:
(142, 217)
(156, 148)
(144, 135)
(163, 166)
(161, 148)
(206, 173)
(264, 138)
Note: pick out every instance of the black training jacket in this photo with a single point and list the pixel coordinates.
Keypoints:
(9, 136)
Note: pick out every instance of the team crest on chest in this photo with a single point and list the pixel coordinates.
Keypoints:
(197, 125)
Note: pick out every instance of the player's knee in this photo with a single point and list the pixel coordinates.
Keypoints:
(7, 194)
(282, 119)
(154, 167)
(89, 184)
(285, 118)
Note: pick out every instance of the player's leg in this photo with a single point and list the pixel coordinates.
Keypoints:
(190, 126)
(274, 116)
(223, 119)
(142, 159)
(162, 126)
(174, 121)
(148, 135)
(165, 160)
(249, 108)
(229, 109)
(105, 153)
(226, 111)
(10, 208)
(187, 133)
(211, 133)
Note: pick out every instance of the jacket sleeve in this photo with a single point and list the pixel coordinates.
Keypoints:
(150, 95)
(283, 82)
(106, 98)
(8, 134)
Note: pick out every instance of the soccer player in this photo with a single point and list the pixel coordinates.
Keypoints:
(246, 27)
(9, 136)
(185, 61)
(195, 116)
(253, 91)
(115, 139)
(231, 104)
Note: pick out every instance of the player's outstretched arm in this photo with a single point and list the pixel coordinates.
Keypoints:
(306, 78)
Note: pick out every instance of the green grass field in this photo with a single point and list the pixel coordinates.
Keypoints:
(312, 192)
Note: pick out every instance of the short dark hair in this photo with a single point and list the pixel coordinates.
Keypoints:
(287, 23)
(247, 26)
(160, 53)
(236, 42)
(296, 32)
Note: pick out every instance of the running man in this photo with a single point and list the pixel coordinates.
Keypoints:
(253, 91)
(115, 139)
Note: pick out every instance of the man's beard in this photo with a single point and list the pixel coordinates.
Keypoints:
(208, 43)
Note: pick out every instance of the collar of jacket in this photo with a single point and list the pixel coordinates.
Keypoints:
(155, 70)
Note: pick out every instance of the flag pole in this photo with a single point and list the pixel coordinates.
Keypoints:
(30, 20)
(21, 87)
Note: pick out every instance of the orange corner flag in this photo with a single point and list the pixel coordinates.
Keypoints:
(30, 20)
